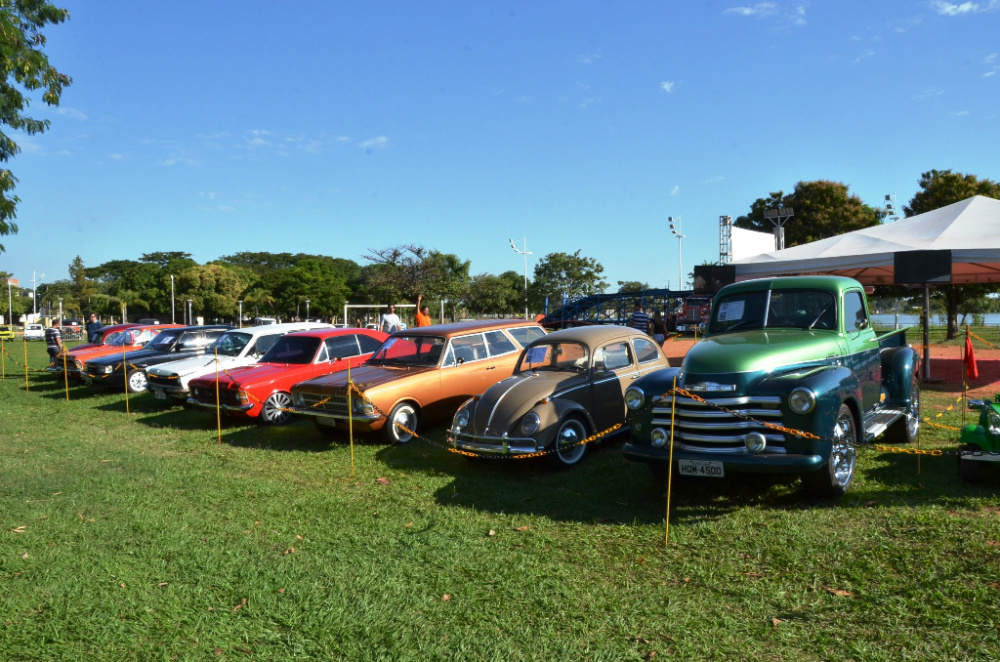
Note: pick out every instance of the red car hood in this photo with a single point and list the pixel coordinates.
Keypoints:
(248, 377)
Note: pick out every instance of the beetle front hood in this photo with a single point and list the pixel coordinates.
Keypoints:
(506, 401)
(760, 351)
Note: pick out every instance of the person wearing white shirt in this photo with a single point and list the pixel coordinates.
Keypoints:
(390, 321)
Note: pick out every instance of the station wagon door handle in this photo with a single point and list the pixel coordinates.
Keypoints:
(492, 367)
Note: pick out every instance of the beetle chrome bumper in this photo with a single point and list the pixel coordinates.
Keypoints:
(493, 445)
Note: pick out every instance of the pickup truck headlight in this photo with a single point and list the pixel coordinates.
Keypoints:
(658, 437)
(530, 423)
(634, 397)
(801, 400)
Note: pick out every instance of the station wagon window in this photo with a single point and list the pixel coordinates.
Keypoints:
(525, 335)
(554, 356)
(265, 343)
(410, 350)
(292, 349)
(164, 339)
(614, 356)
(645, 350)
(855, 315)
(469, 348)
(342, 346)
(499, 343)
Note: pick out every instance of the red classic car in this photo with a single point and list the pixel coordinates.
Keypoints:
(115, 338)
(262, 391)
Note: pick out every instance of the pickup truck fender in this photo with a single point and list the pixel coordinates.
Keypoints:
(833, 386)
(900, 366)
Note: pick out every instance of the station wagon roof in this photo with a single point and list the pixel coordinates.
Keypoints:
(592, 335)
(461, 328)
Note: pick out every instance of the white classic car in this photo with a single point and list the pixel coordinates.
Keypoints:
(233, 349)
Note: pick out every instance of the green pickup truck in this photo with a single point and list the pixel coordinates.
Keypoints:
(789, 378)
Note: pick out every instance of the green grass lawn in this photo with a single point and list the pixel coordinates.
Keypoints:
(138, 536)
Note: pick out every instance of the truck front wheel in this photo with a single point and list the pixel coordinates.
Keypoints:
(836, 475)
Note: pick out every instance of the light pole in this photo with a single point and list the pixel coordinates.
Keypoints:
(778, 217)
(525, 252)
(173, 315)
(307, 310)
(34, 296)
(680, 254)
(190, 317)
(241, 312)
(60, 311)
(10, 303)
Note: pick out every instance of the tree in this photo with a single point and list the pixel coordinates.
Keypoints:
(214, 289)
(25, 70)
(822, 209)
(940, 188)
(400, 273)
(561, 274)
(628, 286)
(83, 289)
(487, 294)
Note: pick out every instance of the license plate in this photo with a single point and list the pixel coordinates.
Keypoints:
(701, 468)
(159, 395)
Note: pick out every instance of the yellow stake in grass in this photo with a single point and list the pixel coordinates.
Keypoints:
(66, 373)
(125, 376)
(218, 407)
(670, 462)
(350, 416)
(26, 386)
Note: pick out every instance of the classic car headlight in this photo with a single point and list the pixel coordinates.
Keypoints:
(360, 406)
(634, 397)
(79, 364)
(297, 399)
(461, 419)
(530, 423)
(801, 400)
(108, 369)
(658, 437)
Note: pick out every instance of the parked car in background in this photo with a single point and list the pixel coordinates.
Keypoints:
(6, 333)
(418, 374)
(34, 332)
(566, 387)
(261, 391)
(117, 371)
(116, 339)
(233, 349)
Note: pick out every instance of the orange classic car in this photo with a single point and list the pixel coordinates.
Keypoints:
(417, 374)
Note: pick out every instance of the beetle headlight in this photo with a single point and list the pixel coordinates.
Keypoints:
(658, 437)
(634, 397)
(801, 400)
(461, 419)
(530, 423)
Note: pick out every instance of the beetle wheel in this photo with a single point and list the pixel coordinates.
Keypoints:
(567, 447)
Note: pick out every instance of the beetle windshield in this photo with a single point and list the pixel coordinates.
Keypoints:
(775, 309)
(554, 356)
(410, 350)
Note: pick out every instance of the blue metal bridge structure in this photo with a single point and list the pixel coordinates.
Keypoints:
(616, 308)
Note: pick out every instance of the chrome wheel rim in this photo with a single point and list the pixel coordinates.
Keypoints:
(569, 436)
(275, 409)
(842, 455)
(913, 417)
(137, 381)
(407, 417)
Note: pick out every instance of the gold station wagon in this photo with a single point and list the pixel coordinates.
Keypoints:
(416, 375)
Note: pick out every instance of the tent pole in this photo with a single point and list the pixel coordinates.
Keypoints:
(927, 332)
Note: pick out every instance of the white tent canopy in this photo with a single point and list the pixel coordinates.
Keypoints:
(970, 229)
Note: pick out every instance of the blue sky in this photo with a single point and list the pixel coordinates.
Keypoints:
(337, 127)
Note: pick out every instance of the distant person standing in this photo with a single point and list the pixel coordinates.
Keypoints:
(390, 321)
(94, 329)
(53, 341)
(423, 313)
(639, 319)
(659, 328)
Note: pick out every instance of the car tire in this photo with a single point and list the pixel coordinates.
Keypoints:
(135, 380)
(905, 430)
(406, 415)
(572, 431)
(275, 409)
(968, 470)
(835, 477)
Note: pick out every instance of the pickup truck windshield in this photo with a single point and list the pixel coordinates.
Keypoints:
(775, 309)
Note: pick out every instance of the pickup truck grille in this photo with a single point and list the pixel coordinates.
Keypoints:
(333, 404)
(721, 429)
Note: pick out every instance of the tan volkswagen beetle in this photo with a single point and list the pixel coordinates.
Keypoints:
(566, 387)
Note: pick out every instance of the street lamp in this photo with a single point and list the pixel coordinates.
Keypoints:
(60, 311)
(10, 303)
(778, 217)
(525, 252)
(241, 312)
(173, 316)
(680, 255)
(190, 317)
(34, 296)
(307, 310)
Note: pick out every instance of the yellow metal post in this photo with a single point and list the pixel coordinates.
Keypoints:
(350, 415)
(218, 406)
(670, 461)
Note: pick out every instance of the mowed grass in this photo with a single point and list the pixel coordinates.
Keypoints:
(138, 536)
